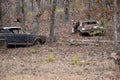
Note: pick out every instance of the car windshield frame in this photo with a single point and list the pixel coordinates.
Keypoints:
(13, 30)
(90, 23)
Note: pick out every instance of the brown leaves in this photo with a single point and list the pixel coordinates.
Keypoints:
(40, 13)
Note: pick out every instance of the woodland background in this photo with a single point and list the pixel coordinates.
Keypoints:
(60, 61)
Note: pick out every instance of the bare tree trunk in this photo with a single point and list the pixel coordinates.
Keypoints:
(52, 20)
(0, 13)
(21, 13)
(35, 10)
(9, 13)
(106, 2)
(90, 8)
(73, 9)
(106, 15)
(10, 17)
(38, 3)
(66, 10)
(115, 26)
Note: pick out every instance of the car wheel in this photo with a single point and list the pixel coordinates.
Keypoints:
(38, 42)
(3, 44)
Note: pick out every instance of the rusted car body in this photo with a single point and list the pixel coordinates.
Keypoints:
(90, 27)
(16, 36)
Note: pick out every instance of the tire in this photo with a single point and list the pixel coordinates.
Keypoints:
(3, 44)
(38, 42)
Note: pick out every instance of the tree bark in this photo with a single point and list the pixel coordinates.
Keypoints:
(21, 13)
(66, 10)
(35, 10)
(10, 23)
(52, 20)
(115, 26)
(90, 9)
(0, 13)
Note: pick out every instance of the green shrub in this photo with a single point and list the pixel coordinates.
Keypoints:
(34, 50)
(50, 58)
(29, 14)
(74, 60)
(96, 32)
(87, 62)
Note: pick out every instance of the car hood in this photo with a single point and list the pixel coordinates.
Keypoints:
(88, 26)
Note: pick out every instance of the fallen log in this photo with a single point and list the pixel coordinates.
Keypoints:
(102, 41)
(82, 43)
(88, 42)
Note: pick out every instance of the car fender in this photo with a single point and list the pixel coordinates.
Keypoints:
(37, 39)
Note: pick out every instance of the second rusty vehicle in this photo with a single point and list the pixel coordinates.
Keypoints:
(90, 27)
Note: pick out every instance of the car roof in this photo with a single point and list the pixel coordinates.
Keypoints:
(10, 27)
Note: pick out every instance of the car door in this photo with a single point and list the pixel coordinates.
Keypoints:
(31, 38)
(10, 38)
(21, 39)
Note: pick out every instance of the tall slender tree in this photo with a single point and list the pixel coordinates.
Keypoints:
(9, 14)
(21, 13)
(35, 11)
(66, 10)
(90, 8)
(52, 21)
(115, 25)
(0, 13)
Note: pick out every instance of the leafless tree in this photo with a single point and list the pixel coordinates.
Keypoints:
(35, 11)
(90, 9)
(0, 13)
(21, 13)
(9, 14)
(66, 10)
(52, 20)
(115, 26)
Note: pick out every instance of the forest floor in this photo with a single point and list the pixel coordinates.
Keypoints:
(29, 63)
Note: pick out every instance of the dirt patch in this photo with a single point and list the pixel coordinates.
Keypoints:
(23, 64)
(43, 77)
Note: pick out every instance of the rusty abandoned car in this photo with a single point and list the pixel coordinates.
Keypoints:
(90, 27)
(16, 36)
